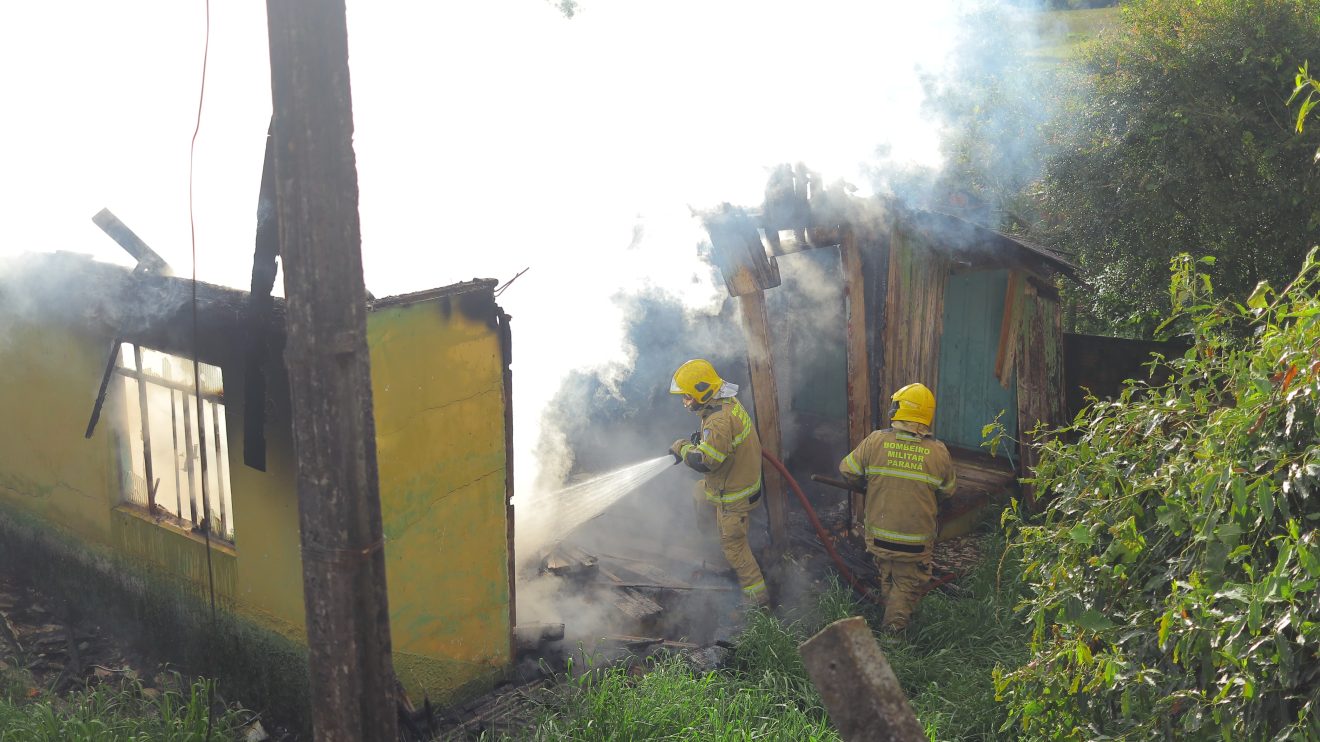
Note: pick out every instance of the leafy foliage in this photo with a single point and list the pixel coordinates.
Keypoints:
(1304, 83)
(1177, 138)
(1173, 576)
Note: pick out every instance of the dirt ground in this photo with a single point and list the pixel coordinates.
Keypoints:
(64, 649)
(61, 650)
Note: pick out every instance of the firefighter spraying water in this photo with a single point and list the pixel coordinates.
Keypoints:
(727, 450)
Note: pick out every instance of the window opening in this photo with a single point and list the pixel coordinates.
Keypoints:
(167, 444)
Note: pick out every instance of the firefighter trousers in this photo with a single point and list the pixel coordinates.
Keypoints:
(732, 520)
(902, 585)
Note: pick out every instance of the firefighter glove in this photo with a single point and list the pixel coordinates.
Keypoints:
(676, 450)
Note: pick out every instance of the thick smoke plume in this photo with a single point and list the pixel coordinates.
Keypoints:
(989, 107)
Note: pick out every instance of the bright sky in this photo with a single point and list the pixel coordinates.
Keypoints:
(490, 137)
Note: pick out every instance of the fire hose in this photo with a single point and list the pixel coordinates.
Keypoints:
(824, 537)
(820, 530)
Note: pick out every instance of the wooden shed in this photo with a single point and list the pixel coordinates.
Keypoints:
(929, 297)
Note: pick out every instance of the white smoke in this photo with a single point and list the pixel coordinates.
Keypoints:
(490, 137)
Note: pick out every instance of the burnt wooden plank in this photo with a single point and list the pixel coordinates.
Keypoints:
(739, 252)
(765, 393)
(875, 255)
(634, 604)
(147, 259)
(1041, 394)
(105, 384)
(259, 308)
(1008, 330)
(858, 364)
(913, 314)
(506, 359)
(858, 379)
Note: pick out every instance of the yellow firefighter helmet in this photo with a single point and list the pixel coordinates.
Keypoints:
(696, 379)
(913, 403)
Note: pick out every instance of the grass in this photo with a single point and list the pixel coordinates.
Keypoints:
(945, 662)
(110, 712)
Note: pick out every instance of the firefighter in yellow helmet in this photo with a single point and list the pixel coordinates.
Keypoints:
(728, 452)
(906, 472)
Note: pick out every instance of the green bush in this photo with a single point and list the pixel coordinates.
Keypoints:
(1172, 576)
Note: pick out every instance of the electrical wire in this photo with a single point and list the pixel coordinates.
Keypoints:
(197, 372)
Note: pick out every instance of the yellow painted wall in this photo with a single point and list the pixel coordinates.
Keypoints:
(268, 581)
(437, 383)
(47, 468)
(437, 377)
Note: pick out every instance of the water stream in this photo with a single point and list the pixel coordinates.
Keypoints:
(553, 515)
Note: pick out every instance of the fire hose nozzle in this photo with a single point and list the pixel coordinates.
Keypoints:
(838, 483)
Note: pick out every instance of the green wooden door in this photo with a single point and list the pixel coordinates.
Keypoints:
(969, 396)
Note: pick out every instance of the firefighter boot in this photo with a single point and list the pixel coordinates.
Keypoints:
(733, 540)
(902, 584)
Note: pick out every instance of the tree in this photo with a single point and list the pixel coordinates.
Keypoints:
(1177, 138)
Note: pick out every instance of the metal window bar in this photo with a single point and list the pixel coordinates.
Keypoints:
(146, 432)
(188, 459)
(174, 430)
(219, 470)
(206, 520)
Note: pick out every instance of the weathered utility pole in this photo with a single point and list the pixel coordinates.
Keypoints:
(348, 631)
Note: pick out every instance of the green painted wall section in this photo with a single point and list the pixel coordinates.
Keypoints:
(969, 396)
(437, 383)
(268, 581)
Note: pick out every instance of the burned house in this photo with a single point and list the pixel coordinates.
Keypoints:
(147, 511)
(928, 297)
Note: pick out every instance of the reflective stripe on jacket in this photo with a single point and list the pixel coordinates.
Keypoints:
(729, 453)
(906, 472)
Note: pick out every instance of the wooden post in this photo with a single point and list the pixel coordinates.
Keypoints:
(348, 631)
(860, 424)
(765, 393)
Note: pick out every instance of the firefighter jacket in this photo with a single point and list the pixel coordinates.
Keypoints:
(728, 452)
(906, 472)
